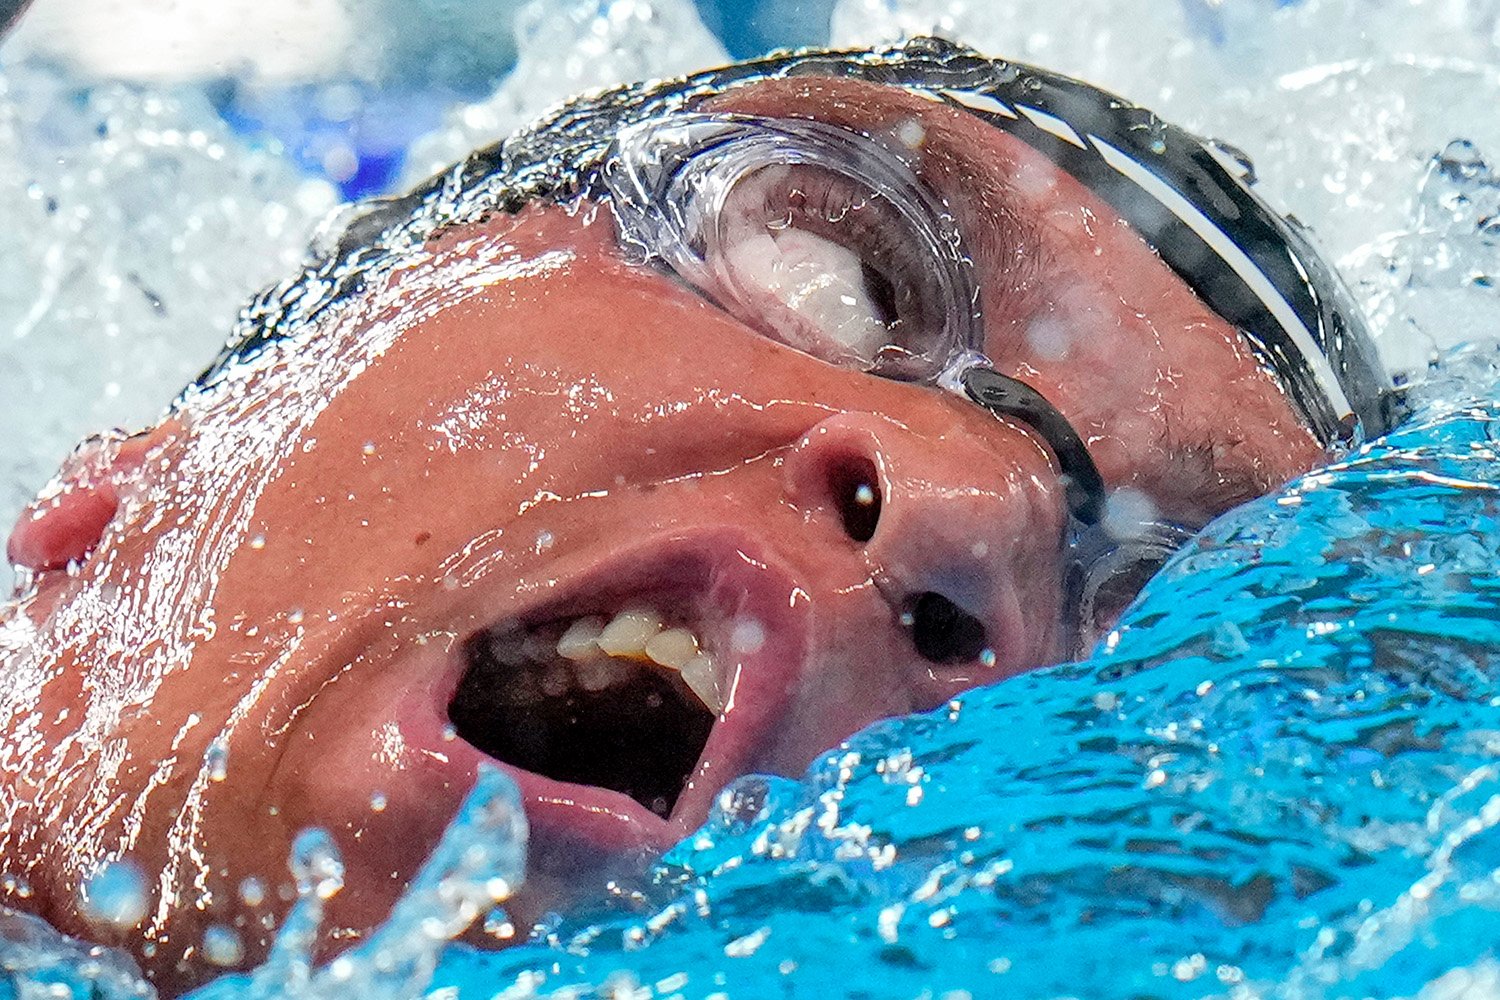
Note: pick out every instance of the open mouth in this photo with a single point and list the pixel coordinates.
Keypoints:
(638, 685)
(624, 702)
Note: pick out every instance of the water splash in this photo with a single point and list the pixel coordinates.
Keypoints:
(37, 961)
(477, 865)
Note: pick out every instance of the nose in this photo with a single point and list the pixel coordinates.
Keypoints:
(960, 528)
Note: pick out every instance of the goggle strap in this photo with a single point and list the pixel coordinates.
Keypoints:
(1008, 397)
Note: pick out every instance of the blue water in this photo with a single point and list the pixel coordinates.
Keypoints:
(1279, 778)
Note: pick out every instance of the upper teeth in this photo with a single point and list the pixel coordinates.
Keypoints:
(628, 633)
(594, 646)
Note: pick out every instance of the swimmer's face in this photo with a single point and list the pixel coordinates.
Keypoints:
(363, 566)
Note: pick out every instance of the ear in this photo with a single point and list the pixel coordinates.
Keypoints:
(65, 523)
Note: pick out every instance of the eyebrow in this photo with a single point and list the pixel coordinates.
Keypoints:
(1212, 487)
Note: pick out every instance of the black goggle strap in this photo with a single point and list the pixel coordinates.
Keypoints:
(1008, 397)
(1249, 265)
(1094, 555)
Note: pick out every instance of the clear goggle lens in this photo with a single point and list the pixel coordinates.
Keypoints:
(822, 239)
(1106, 574)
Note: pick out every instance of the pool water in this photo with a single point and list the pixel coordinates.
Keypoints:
(1277, 778)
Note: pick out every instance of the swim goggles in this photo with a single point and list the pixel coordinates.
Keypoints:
(749, 211)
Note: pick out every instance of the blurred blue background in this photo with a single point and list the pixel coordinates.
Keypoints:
(377, 111)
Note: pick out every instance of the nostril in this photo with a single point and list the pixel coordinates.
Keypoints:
(856, 490)
(942, 631)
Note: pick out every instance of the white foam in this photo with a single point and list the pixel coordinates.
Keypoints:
(137, 226)
(564, 48)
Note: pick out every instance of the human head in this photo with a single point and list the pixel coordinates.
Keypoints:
(478, 418)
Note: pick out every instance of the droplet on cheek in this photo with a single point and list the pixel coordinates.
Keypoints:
(222, 946)
(252, 891)
(216, 760)
(115, 897)
(748, 635)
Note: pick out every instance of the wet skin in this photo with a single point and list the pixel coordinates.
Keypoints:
(527, 426)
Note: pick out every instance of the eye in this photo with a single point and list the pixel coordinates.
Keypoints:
(821, 238)
(827, 265)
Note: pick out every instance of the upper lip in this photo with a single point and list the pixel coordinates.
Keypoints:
(725, 576)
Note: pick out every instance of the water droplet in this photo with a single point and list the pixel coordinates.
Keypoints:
(216, 760)
(748, 636)
(377, 802)
(498, 926)
(544, 541)
(222, 947)
(1127, 512)
(316, 864)
(252, 891)
(115, 896)
(257, 542)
